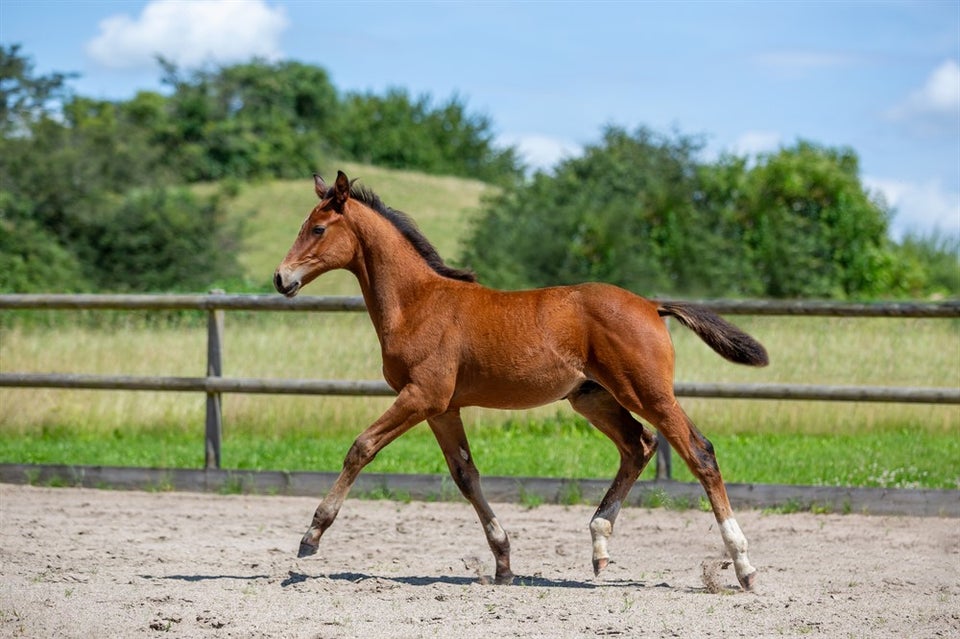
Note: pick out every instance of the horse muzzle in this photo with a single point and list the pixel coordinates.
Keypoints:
(286, 289)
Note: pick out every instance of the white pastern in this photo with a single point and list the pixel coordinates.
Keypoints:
(737, 547)
(600, 531)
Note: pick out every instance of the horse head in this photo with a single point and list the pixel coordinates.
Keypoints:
(325, 241)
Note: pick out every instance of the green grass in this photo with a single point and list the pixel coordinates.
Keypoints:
(555, 448)
(756, 441)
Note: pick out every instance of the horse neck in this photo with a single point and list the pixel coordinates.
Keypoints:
(391, 273)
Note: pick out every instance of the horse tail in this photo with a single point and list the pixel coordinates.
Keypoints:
(726, 339)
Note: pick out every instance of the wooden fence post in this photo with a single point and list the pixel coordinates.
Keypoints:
(214, 420)
(664, 459)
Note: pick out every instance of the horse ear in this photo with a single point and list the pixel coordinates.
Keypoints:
(319, 186)
(341, 190)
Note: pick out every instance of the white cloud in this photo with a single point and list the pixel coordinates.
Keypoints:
(920, 207)
(540, 152)
(753, 143)
(937, 99)
(190, 33)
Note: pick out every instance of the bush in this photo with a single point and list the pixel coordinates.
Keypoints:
(930, 265)
(160, 240)
(31, 258)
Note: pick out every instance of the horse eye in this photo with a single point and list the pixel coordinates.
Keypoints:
(318, 230)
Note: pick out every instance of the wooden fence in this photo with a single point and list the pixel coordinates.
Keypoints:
(214, 384)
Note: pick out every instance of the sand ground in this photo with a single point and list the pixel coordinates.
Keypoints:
(94, 563)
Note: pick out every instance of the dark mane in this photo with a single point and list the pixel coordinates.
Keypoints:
(408, 228)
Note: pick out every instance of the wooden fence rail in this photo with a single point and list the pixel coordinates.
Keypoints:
(260, 386)
(214, 384)
(213, 301)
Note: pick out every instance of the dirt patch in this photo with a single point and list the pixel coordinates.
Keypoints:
(88, 563)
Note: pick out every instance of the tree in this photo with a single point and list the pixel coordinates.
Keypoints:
(623, 213)
(645, 212)
(24, 97)
(31, 258)
(928, 265)
(160, 239)
(812, 228)
(395, 130)
(31, 255)
(248, 120)
(84, 202)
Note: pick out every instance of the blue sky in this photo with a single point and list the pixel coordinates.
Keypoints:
(880, 77)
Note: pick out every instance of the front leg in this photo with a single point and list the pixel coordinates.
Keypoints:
(448, 429)
(409, 409)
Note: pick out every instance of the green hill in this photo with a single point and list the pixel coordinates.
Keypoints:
(273, 211)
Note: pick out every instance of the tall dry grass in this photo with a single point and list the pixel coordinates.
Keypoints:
(831, 351)
(894, 352)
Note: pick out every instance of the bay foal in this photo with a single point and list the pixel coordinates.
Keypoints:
(447, 342)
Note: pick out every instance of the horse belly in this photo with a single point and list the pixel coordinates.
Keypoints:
(522, 349)
(506, 389)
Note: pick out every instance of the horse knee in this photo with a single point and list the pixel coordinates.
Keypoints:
(361, 453)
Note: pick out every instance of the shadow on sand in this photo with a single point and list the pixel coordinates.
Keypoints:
(535, 581)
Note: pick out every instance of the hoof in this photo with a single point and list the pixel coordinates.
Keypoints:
(505, 579)
(599, 565)
(306, 549)
(747, 582)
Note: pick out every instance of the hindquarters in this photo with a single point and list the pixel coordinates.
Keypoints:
(630, 352)
(630, 349)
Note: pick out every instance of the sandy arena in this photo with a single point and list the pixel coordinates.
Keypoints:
(90, 563)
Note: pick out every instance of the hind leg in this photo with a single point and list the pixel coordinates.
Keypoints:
(633, 358)
(636, 445)
(697, 451)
